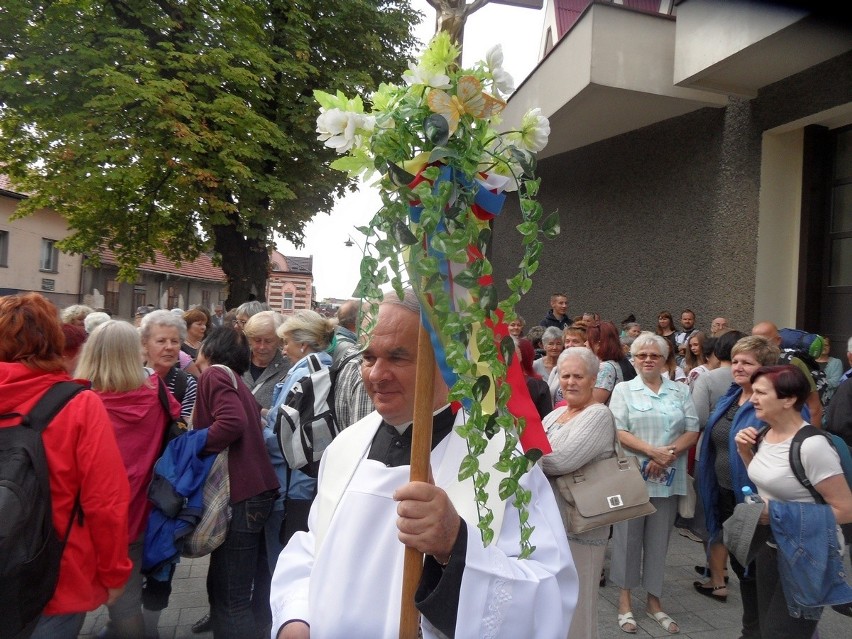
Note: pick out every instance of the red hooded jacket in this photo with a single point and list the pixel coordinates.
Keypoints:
(82, 456)
(139, 421)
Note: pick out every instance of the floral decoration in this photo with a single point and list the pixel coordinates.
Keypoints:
(443, 172)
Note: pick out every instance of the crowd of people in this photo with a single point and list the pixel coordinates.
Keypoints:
(704, 413)
(680, 400)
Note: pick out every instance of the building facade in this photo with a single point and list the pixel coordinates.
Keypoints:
(290, 285)
(161, 283)
(700, 156)
(29, 259)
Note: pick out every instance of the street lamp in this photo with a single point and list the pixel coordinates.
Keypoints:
(349, 243)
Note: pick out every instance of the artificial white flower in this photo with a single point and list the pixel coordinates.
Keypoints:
(504, 82)
(535, 130)
(340, 130)
(421, 74)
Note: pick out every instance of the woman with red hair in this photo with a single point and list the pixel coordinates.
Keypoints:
(539, 391)
(75, 337)
(605, 342)
(779, 393)
(83, 462)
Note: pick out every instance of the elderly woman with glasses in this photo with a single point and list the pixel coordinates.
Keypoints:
(656, 421)
(245, 311)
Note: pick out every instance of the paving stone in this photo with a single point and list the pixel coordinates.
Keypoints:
(698, 617)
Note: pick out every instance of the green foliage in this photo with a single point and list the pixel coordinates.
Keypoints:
(411, 137)
(158, 123)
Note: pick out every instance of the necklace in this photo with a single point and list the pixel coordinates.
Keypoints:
(571, 413)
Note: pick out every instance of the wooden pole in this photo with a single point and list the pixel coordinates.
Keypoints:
(421, 449)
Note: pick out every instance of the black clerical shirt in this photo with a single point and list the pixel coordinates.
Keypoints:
(394, 449)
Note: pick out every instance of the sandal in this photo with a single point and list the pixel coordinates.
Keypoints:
(709, 590)
(627, 619)
(666, 622)
(704, 571)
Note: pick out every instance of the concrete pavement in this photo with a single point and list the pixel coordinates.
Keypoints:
(699, 617)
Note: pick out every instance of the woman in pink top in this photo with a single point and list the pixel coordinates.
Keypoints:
(112, 360)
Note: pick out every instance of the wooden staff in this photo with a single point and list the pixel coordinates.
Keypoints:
(421, 450)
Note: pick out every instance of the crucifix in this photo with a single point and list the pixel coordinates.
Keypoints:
(452, 14)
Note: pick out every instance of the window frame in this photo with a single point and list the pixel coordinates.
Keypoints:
(4, 248)
(52, 265)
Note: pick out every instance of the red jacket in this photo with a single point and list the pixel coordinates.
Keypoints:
(139, 422)
(82, 456)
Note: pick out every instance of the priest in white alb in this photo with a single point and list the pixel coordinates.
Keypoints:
(343, 578)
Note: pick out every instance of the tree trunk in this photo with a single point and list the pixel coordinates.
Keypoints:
(245, 261)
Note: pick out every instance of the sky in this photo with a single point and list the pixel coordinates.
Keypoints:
(336, 266)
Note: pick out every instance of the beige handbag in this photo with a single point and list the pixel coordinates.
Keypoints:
(605, 492)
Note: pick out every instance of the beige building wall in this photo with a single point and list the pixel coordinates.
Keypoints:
(24, 251)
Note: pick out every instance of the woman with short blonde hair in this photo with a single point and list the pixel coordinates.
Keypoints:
(111, 358)
(306, 337)
(722, 474)
(75, 314)
(263, 322)
(112, 361)
(268, 365)
(309, 329)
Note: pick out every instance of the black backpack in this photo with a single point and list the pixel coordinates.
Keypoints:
(180, 379)
(30, 547)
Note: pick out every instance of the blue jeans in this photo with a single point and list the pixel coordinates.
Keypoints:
(232, 570)
(59, 626)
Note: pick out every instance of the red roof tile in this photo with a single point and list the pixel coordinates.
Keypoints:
(200, 269)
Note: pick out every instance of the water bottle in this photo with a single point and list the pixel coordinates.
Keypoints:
(750, 497)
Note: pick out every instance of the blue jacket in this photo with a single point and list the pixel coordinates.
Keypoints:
(176, 491)
(708, 484)
(302, 486)
(809, 559)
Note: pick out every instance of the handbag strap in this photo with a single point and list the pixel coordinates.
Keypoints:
(617, 451)
(230, 373)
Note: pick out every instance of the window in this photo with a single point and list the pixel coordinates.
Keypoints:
(111, 295)
(173, 297)
(287, 302)
(205, 299)
(4, 248)
(49, 256)
(840, 226)
(139, 296)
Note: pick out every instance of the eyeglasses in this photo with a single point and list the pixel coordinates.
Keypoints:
(644, 356)
(240, 322)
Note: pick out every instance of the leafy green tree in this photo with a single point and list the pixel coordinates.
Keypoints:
(185, 125)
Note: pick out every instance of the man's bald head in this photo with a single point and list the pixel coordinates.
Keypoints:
(347, 314)
(767, 330)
